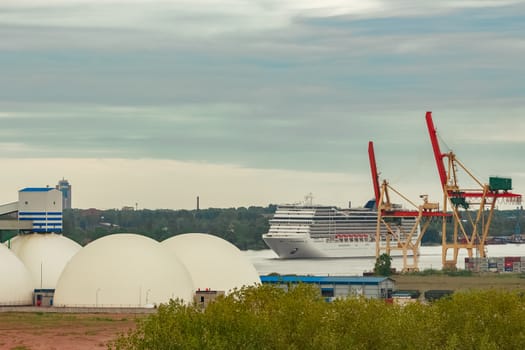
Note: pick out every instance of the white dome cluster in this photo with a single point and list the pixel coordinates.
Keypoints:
(122, 270)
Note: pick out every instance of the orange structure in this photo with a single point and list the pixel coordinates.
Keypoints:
(472, 208)
(388, 214)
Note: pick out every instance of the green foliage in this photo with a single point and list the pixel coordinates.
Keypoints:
(383, 265)
(483, 320)
(267, 317)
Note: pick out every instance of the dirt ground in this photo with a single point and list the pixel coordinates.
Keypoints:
(46, 331)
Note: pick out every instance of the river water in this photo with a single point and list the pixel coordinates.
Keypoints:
(266, 261)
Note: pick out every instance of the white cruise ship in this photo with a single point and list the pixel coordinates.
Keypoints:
(316, 231)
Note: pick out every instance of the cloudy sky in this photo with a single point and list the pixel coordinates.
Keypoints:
(252, 102)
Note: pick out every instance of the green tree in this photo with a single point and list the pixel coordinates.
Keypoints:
(383, 265)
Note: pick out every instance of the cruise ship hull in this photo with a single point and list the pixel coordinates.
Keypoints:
(308, 248)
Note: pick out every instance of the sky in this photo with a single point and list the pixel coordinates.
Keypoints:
(151, 103)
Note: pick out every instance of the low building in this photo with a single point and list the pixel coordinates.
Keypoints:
(203, 297)
(339, 286)
(43, 297)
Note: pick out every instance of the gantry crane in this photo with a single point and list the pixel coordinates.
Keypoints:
(469, 231)
(389, 216)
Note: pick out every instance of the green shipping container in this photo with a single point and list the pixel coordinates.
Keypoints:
(500, 184)
(459, 201)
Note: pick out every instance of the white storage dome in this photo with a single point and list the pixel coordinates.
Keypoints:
(45, 256)
(123, 270)
(213, 262)
(15, 280)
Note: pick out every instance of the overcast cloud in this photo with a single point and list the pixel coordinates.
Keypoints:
(257, 88)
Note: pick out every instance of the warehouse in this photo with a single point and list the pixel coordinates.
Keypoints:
(339, 286)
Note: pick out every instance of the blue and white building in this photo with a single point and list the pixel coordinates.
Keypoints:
(42, 206)
(338, 286)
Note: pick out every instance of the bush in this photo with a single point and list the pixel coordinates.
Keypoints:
(267, 317)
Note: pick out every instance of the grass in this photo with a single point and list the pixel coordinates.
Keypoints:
(426, 281)
(38, 320)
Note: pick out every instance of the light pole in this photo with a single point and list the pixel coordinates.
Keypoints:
(96, 297)
(147, 295)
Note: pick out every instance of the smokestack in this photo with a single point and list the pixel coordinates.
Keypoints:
(198, 203)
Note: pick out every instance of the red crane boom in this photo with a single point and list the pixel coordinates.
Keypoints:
(373, 169)
(435, 147)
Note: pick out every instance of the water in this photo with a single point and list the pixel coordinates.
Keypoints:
(266, 261)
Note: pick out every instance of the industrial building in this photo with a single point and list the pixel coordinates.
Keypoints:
(42, 206)
(42, 267)
(40, 246)
(339, 286)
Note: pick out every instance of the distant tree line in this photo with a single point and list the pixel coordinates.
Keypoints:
(243, 227)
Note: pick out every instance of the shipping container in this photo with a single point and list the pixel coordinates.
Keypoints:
(500, 184)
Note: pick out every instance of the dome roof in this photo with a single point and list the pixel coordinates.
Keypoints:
(16, 286)
(123, 270)
(44, 255)
(212, 261)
